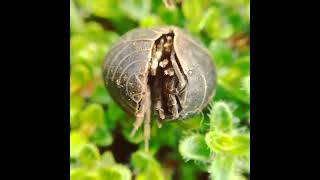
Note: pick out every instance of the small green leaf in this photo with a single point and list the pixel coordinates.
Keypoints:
(222, 168)
(95, 32)
(147, 166)
(231, 79)
(83, 174)
(189, 171)
(102, 137)
(246, 86)
(220, 117)
(168, 16)
(225, 143)
(194, 12)
(90, 47)
(100, 95)
(194, 148)
(80, 75)
(114, 111)
(114, 114)
(76, 22)
(92, 114)
(192, 9)
(77, 141)
(89, 155)
(218, 27)
(142, 161)
(107, 158)
(101, 8)
(76, 103)
(92, 175)
(115, 172)
(136, 9)
(78, 173)
(221, 52)
(150, 21)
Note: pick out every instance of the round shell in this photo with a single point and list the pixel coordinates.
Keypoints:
(127, 65)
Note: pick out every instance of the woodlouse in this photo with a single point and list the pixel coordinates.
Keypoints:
(161, 71)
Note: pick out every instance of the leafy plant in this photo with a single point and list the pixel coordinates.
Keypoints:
(214, 144)
(222, 147)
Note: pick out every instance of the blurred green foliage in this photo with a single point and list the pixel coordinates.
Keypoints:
(214, 144)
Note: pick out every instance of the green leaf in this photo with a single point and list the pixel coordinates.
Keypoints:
(78, 173)
(95, 32)
(189, 171)
(222, 168)
(102, 137)
(115, 172)
(136, 9)
(194, 148)
(76, 23)
(92, 114)
(115, 113)
(107, 158)
(218, 27)
(90, 47)
(246, 86)
(231, 79)
(83, 174)
(194, 12)
(92, 176)
(76, 103)
(168, 16)
(80, 75)
(89, 155)
(230, 144)
(142, 161)
(77, 141)
(100, 95)
(221, 53)
(101, 8)
(150, 21)
(220, 117)
(193, 9)
(147, 166)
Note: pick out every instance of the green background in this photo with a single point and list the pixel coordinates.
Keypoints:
(212, 145)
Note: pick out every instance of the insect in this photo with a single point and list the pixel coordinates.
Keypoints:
(160, 72)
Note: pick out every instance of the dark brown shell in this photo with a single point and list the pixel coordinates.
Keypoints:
(125, 70)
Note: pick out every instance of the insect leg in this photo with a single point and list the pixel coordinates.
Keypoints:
(154, 61)
(180, 76)
(137, 123)
(147, 120)
(159, 109)
(156, 56)
(174, 105)
(145, 103)
(147, 129)
(157, 101)
(160, 113)
(170, 85)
